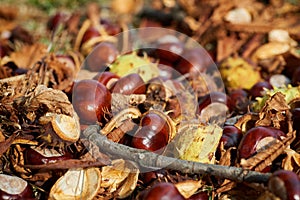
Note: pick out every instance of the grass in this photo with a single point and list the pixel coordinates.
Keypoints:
(50, 6)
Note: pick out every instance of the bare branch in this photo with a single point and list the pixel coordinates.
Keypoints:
(156, 161)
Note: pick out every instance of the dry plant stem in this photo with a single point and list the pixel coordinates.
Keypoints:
(152, 160)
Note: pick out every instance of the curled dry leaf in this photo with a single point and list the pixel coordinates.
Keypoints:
(119, 179)
(274, 112)
(188, 187)
(77, 184)
(61, 72)
(28, 55)
(54, 101)
(292, 161)
(291, 95)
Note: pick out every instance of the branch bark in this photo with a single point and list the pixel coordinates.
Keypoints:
(156, 161)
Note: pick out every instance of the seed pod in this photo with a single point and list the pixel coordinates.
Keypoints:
(77, 184)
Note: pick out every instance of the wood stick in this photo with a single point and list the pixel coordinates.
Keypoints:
(155, 161)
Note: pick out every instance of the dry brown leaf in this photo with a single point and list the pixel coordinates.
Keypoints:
(28, 55)
(188, 187)
(274, 112)
(4, 146)
(54, 101)
(292, 161)
(119, 179)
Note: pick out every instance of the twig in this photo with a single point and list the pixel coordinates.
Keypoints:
(156, 161)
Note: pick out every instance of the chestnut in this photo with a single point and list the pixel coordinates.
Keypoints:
(239, 101)
(194, 60)
(215, 96)
(231, 136)
(257, 90)
(68, 60)
(3, 51)
(55, 20)
(89, 34)
(150, 176)
(13, 187)
(163, 191)
(40, 157)
(130, 84)
(148, 139)
(285, 184)
(296, 118)
(106, 78)
(256, 138)
(165, 70)
(91, 100)
(155, 122)
(199, 196)
(101, 56)
(169, 48)
(296, 77)
(110, 28)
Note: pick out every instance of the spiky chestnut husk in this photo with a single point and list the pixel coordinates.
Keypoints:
(198, 142)
(292, 95)
(132, 63)
(237, 73)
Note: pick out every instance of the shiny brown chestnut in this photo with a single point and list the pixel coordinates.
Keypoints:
(296, 77)
(91, 101)
(218, 97)
(3, 51)
(296, 118)
(285, 184)
(13, 187)
(110, 28)
(106, 78)
(68, 60)
(101, 56)
(253, 140)
(231, 136)
(155, 122)
(169, 48)
(130, 84)
(150, 176)
(89, 34)
(194, 60)
(165, 70)
(39, 157)
(55, 20)
(199, 196)
(148, 139)
(257, 89)
(239, 101)
(163, 191)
